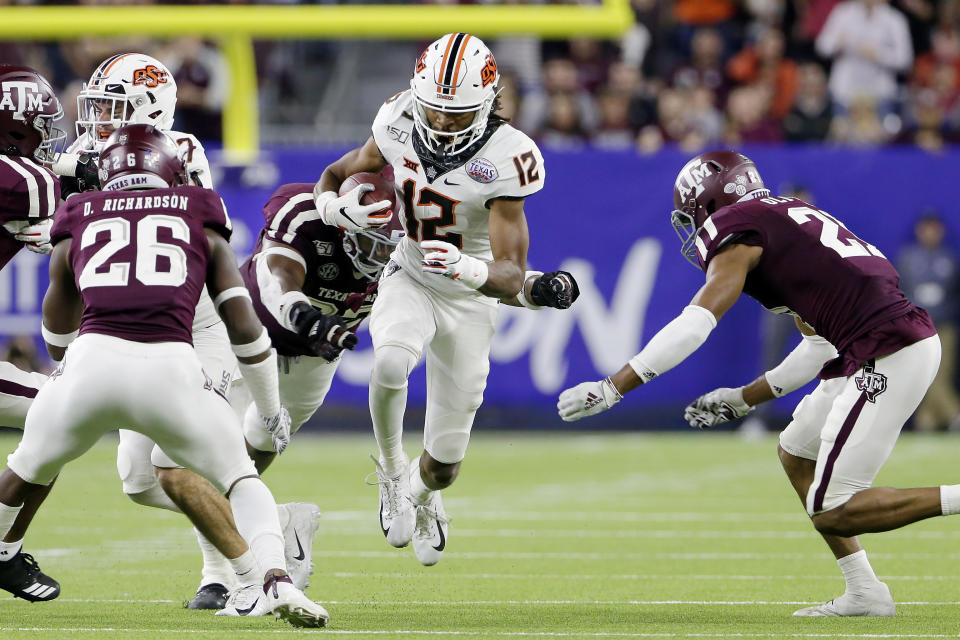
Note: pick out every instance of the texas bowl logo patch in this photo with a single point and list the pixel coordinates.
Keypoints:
(482, 170)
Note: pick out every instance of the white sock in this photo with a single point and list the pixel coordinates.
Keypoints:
(255, 513)
(10, 549)
(388, 401)
(216, 568)
(155, 497)
(857, 571)
(419, 491)
(8, 515)
(950, 499)
(283, 514)
(246, 569)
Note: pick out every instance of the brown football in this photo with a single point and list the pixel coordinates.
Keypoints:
(382, 188)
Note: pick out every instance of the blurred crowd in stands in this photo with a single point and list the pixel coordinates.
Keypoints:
(693, 73)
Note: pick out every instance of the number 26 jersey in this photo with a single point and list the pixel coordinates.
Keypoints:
(452, 205)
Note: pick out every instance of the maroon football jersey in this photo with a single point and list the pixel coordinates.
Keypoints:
(140, 258)
(28, 191)
(332, 283)
(813, 266)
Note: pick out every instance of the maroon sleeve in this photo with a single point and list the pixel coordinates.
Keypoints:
(28, 191)
(288, 209)
(730, 225)
(214, 215)
(63, 221)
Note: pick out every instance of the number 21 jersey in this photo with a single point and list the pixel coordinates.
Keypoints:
(452, 205)
(813, 266)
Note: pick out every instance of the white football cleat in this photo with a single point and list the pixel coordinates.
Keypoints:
(247, 600)
(298, 541)
(288, 603)
(872, 601)
(430, 535)
(397, 518)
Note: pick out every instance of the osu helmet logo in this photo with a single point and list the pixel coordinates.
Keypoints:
(489, 72)
(421, 62)
(150, 76)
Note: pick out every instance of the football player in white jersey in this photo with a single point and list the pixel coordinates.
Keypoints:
(134, 88)
(462, 174)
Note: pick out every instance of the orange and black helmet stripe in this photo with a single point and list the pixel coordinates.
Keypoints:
(106, 65)
(450, 65)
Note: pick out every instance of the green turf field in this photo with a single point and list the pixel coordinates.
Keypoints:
(566, 536)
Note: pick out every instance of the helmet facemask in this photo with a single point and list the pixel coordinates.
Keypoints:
(369, 251)
(686, 227)
(51, 138)
(450, 142)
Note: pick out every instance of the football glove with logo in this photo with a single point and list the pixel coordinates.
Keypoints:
(278, 427)
(35, 236)
(587, 399)
(444, 259)
(347, 213)
(557, 289)
(719, 406)
(78, 173)
(326, 334)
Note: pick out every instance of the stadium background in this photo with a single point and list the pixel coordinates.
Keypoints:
(618, 94)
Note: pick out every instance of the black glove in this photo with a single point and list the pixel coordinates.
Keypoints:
(86, 177)
(557, 289)
(325, 335)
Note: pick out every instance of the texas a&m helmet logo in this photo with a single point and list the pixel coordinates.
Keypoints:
(19, 96)
(150, 76)
(871, 383)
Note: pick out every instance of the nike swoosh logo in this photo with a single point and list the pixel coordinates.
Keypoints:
(301, 555)
(443, 541)
(385, 530)
(246, 612)
(452, 184)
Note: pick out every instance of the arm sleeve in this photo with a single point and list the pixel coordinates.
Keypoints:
(671, 345)
(801, 365)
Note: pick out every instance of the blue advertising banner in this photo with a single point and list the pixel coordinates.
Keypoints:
(605, 217)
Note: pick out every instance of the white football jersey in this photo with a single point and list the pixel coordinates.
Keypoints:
(452, 206)
(198, 169)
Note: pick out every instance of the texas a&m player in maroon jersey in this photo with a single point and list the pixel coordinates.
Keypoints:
(874, 351)
(29, 193)
(126, 272)
(303, 274)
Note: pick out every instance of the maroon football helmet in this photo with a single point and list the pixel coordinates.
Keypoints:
(707, 183)
(140, 156)
(370, 249)
(28, 109)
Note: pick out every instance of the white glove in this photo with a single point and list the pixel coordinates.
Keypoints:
(587, 399)
(278, 427)
(347, 213)
(444, 259)
(35, 236)
(719, 406)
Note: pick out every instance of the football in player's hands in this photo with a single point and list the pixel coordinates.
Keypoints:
(383, 189)
(327, 335)
(557, 289)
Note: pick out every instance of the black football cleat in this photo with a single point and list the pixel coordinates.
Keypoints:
(209, 597)
(22, 577)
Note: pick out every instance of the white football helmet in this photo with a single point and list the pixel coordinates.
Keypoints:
(128, 88)
(455, 74)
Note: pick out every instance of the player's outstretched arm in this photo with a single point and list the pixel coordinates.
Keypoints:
(556, 289)
(799, 367)
(346, 211)
(327, 335)
(62, 306)
(671, 345)
(248, 338)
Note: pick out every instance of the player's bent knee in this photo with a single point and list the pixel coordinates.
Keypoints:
(834, 523)
(448, 449)
(392, 366)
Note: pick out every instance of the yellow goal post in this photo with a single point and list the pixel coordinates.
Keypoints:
(235, 27)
